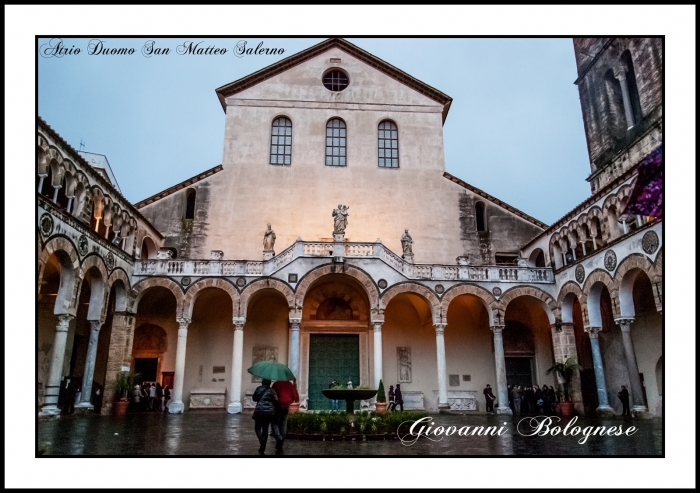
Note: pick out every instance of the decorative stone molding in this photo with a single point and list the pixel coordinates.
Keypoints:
(238, 323)
(46, 224)
(413, 400)
(580, 273)
(650, 242)
(216, 255)
(63, 322)
(497, 292)
(625, 323)
(593, 331)
(610, 260)
(459, 400)
(207, 398)
(440, 329)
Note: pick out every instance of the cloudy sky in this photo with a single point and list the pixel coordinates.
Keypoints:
(514, 128)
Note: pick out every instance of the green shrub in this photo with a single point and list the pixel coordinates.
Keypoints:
(381, 395)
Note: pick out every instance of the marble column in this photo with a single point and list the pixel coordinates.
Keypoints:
(603, 405)
(583, 246)
(378, 364)
(441, 366)
(637, 403)
(176, 406)
(41, 182)
(58, 352)
(501, 380)
(89, 372)
(626, 100)
(235, 405)
(294, 349)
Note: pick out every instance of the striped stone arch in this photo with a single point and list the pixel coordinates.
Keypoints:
(42, 163)
(275, 284)
(67, 299)
(98, 305)
(610, 200)
(623, 192)
(55, 161)
(439, 316)
(346, 292)
(122, 298)
(563, 300)
(594, 212)
(657, 280)
(625, 282)
(485, 296)
(349, 270)
(210, 282)
(518, 291)
(592, 296)
(141, 287)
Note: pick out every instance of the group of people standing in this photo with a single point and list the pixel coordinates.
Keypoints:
(272, 408)
(151, 397)
(395, 398)
(532, 400)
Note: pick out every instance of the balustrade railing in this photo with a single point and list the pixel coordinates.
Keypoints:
(352, 250)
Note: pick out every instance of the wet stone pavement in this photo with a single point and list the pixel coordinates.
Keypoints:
(222, 434)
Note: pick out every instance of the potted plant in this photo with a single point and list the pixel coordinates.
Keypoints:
(381, 398)
(123, 387)
(565, 374)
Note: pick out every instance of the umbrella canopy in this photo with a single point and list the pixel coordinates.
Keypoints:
(271, 370)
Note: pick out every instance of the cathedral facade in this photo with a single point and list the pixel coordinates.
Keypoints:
(332, 239)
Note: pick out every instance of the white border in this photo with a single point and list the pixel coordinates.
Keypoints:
(22, 23)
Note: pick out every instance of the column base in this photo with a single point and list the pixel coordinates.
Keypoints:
(84, 405)
(605, 411)
(504, 410)
(235, 408)
(176, 407)
(443, 406)
(640, 409)
(50, 410)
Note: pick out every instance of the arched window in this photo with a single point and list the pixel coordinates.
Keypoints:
(388, 145)
(336, 136)
(46, 186)
(631, 78)
(281, 142)
(480, 216)
(614, 106)
(191, 198)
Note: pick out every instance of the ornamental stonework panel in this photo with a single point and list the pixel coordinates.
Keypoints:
(610, 260)
(580, 273)
(46, 224)
(650, 242)
(403, 363)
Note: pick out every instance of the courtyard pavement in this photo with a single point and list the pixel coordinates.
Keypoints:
(222, 434)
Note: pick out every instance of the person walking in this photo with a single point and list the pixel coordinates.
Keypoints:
(151, 396)
(517, 398)
(510, 397)
(137, 398)
(286, 394)
(266, 399)
(538, 399)
(166, 398)
(398, 397)
(159, 397)
(624, 396)
(392, 399)
(488, 395)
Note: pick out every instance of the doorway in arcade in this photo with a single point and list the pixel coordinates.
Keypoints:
(332, 357)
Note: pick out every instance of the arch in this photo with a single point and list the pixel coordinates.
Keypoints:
(65, 252)
(630, 76)
(119, 280)
(281, 141)
(261, 284)
(148, 248)
(94, 270)
(388, 143)
(414, 288)
(625, 275)
(548, 303)
(141, 287)
(190, 202)
(55, 160)
(362, 277)
(592, 289)
(42, 164)
(336, 142)
(567, 294)
(335, 294)
(208, 282)
(485, 296)
(536, 258)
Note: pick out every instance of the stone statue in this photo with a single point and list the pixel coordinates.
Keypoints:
(340, 216)
(407, 243)
(269, 239)
(164, 254)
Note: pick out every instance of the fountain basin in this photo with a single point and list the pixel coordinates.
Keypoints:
(349, 396)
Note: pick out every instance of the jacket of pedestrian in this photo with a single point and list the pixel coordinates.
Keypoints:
(398, 398)
(517, 394)
(266, 399)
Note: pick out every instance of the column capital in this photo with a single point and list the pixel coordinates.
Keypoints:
(96, 324)
(184, 322)
(63, 322)
(377, 324)
(293, 321)
(497, 329)
(593, 331)
(624, 323)
(440, 328)
(239, 322)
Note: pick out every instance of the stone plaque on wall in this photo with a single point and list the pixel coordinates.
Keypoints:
(263, 354)
(403, 363)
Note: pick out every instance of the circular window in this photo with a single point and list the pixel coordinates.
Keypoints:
(335, 80)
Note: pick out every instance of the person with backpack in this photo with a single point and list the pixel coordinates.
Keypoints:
(264, 413)
(286, 395)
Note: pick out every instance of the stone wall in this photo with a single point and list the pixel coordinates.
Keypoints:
(120, 346)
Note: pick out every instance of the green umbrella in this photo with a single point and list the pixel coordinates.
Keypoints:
(271, 370)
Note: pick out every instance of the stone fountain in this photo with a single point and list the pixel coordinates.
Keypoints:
(349, 396)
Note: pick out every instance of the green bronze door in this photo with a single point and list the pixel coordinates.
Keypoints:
(332, 357)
